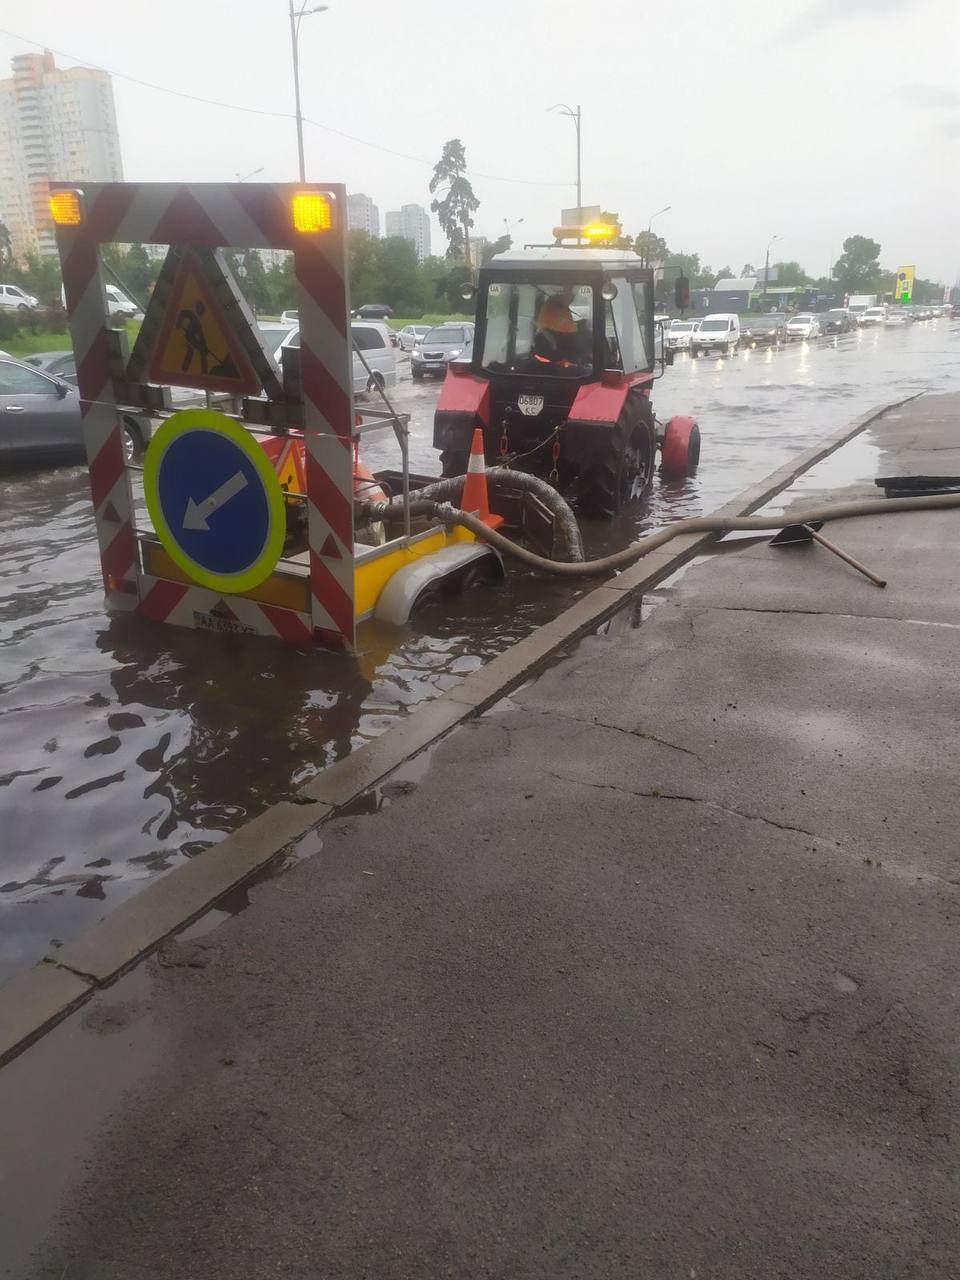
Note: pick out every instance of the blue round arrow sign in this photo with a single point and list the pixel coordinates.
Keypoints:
(215, 500)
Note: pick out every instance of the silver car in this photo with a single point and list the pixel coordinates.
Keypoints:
(411, 334)
(446, 342)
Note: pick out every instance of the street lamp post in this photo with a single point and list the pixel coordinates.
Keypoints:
(575, 117)
(666, 209)
(295, 17)
(766, 265)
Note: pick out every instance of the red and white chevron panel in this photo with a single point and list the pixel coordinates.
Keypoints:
(228, 215)
(205, 610)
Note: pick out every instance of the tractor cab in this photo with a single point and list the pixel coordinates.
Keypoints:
(563, 363)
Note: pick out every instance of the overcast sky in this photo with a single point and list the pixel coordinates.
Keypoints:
(812, 120)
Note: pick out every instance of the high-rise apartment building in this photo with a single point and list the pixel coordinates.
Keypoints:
(55, 125)
(412, 222)
(363, 214)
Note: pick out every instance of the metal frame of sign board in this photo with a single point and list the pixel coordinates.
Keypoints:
(213, 216)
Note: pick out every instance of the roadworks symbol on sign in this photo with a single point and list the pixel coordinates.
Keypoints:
(197, 346)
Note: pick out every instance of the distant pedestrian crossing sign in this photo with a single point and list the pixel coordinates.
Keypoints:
(197, 345)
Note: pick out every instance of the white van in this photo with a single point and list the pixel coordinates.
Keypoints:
(13, 298)
(372, 337)
(719, 332)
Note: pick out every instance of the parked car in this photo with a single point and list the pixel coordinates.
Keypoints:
(58, 364)
(373, 339)
(411, 334)
(441, 345)
(719, 332)
(837, 320)
(872, 316)
(803, 326)
(40, 422)
(679, 334)
(13, 298)
(374, 311)
(120, 306)
(764, 331)
(289, 318)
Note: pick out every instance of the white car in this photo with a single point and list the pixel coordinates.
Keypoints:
(680, 333)
(719, 332)
(289, 318)
(13, 298)
(411, 334)
(372, 337)
(803, 326)
(873, 315)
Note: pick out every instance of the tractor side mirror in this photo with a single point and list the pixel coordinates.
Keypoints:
(468, 291)
(609, 291)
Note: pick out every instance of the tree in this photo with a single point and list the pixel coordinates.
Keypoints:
(725, 273)
(500, 245)
(41, 277)
(6, 247)
(402, 283)
(857, 270)
(365, 282)
(789, 274)
(651, 247)
(456, 203)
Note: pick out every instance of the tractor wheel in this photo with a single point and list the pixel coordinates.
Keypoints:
(680, 450)
(623, 465)
(453, 462)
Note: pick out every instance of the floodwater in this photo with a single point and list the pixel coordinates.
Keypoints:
(126, 747)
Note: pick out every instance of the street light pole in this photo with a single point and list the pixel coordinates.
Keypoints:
(295, 16)
(666, 209)
(575, 117)
(766, 266)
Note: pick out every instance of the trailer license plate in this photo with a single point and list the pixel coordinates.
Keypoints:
(229, 626)
(530, 406)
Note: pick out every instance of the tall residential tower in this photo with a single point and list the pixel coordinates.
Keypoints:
(55, 125)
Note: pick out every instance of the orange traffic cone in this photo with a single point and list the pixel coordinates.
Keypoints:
(475, 498)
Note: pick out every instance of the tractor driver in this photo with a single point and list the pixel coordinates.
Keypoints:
(559, 345)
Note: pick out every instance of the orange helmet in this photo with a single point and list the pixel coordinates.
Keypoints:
(556, 316)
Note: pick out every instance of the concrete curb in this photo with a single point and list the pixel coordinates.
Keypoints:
(35, 1000)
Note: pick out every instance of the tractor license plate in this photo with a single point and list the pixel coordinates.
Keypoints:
(530, 406)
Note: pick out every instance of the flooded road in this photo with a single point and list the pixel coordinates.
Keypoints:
(126, 747)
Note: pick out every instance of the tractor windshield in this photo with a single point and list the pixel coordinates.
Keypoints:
(539, 328)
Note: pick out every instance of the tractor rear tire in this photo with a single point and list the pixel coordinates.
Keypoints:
(623, 466)
(453, 462)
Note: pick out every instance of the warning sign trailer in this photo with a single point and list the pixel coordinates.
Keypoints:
(224, 485)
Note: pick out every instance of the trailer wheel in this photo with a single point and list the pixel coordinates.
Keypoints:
(680, 451)
(453, 462)
(623, 466)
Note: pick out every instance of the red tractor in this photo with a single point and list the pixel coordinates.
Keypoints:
(564, 359)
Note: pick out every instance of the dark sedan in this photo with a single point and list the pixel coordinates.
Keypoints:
(764, 331)
(59, 364)
(836, 320)
(40, 423)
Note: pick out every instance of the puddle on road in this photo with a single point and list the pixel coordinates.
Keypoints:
(126, 748)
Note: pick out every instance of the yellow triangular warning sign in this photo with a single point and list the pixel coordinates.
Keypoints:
(196, 345)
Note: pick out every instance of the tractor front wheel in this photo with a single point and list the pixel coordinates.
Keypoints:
(622, 465)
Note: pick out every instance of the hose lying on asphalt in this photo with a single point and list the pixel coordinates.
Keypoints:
(449, 490)
(696, 524)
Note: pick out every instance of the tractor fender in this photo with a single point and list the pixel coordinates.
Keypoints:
(464, 404)
(594, 412)
(400, 594)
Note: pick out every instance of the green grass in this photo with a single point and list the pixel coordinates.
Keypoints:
(28, 344)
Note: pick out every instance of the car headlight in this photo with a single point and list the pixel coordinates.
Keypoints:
(457, 351)
(417, 354)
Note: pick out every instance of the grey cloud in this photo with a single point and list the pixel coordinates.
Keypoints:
(929, 95)
(828, 13)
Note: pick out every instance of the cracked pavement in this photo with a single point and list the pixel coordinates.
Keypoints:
(535, 1017)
